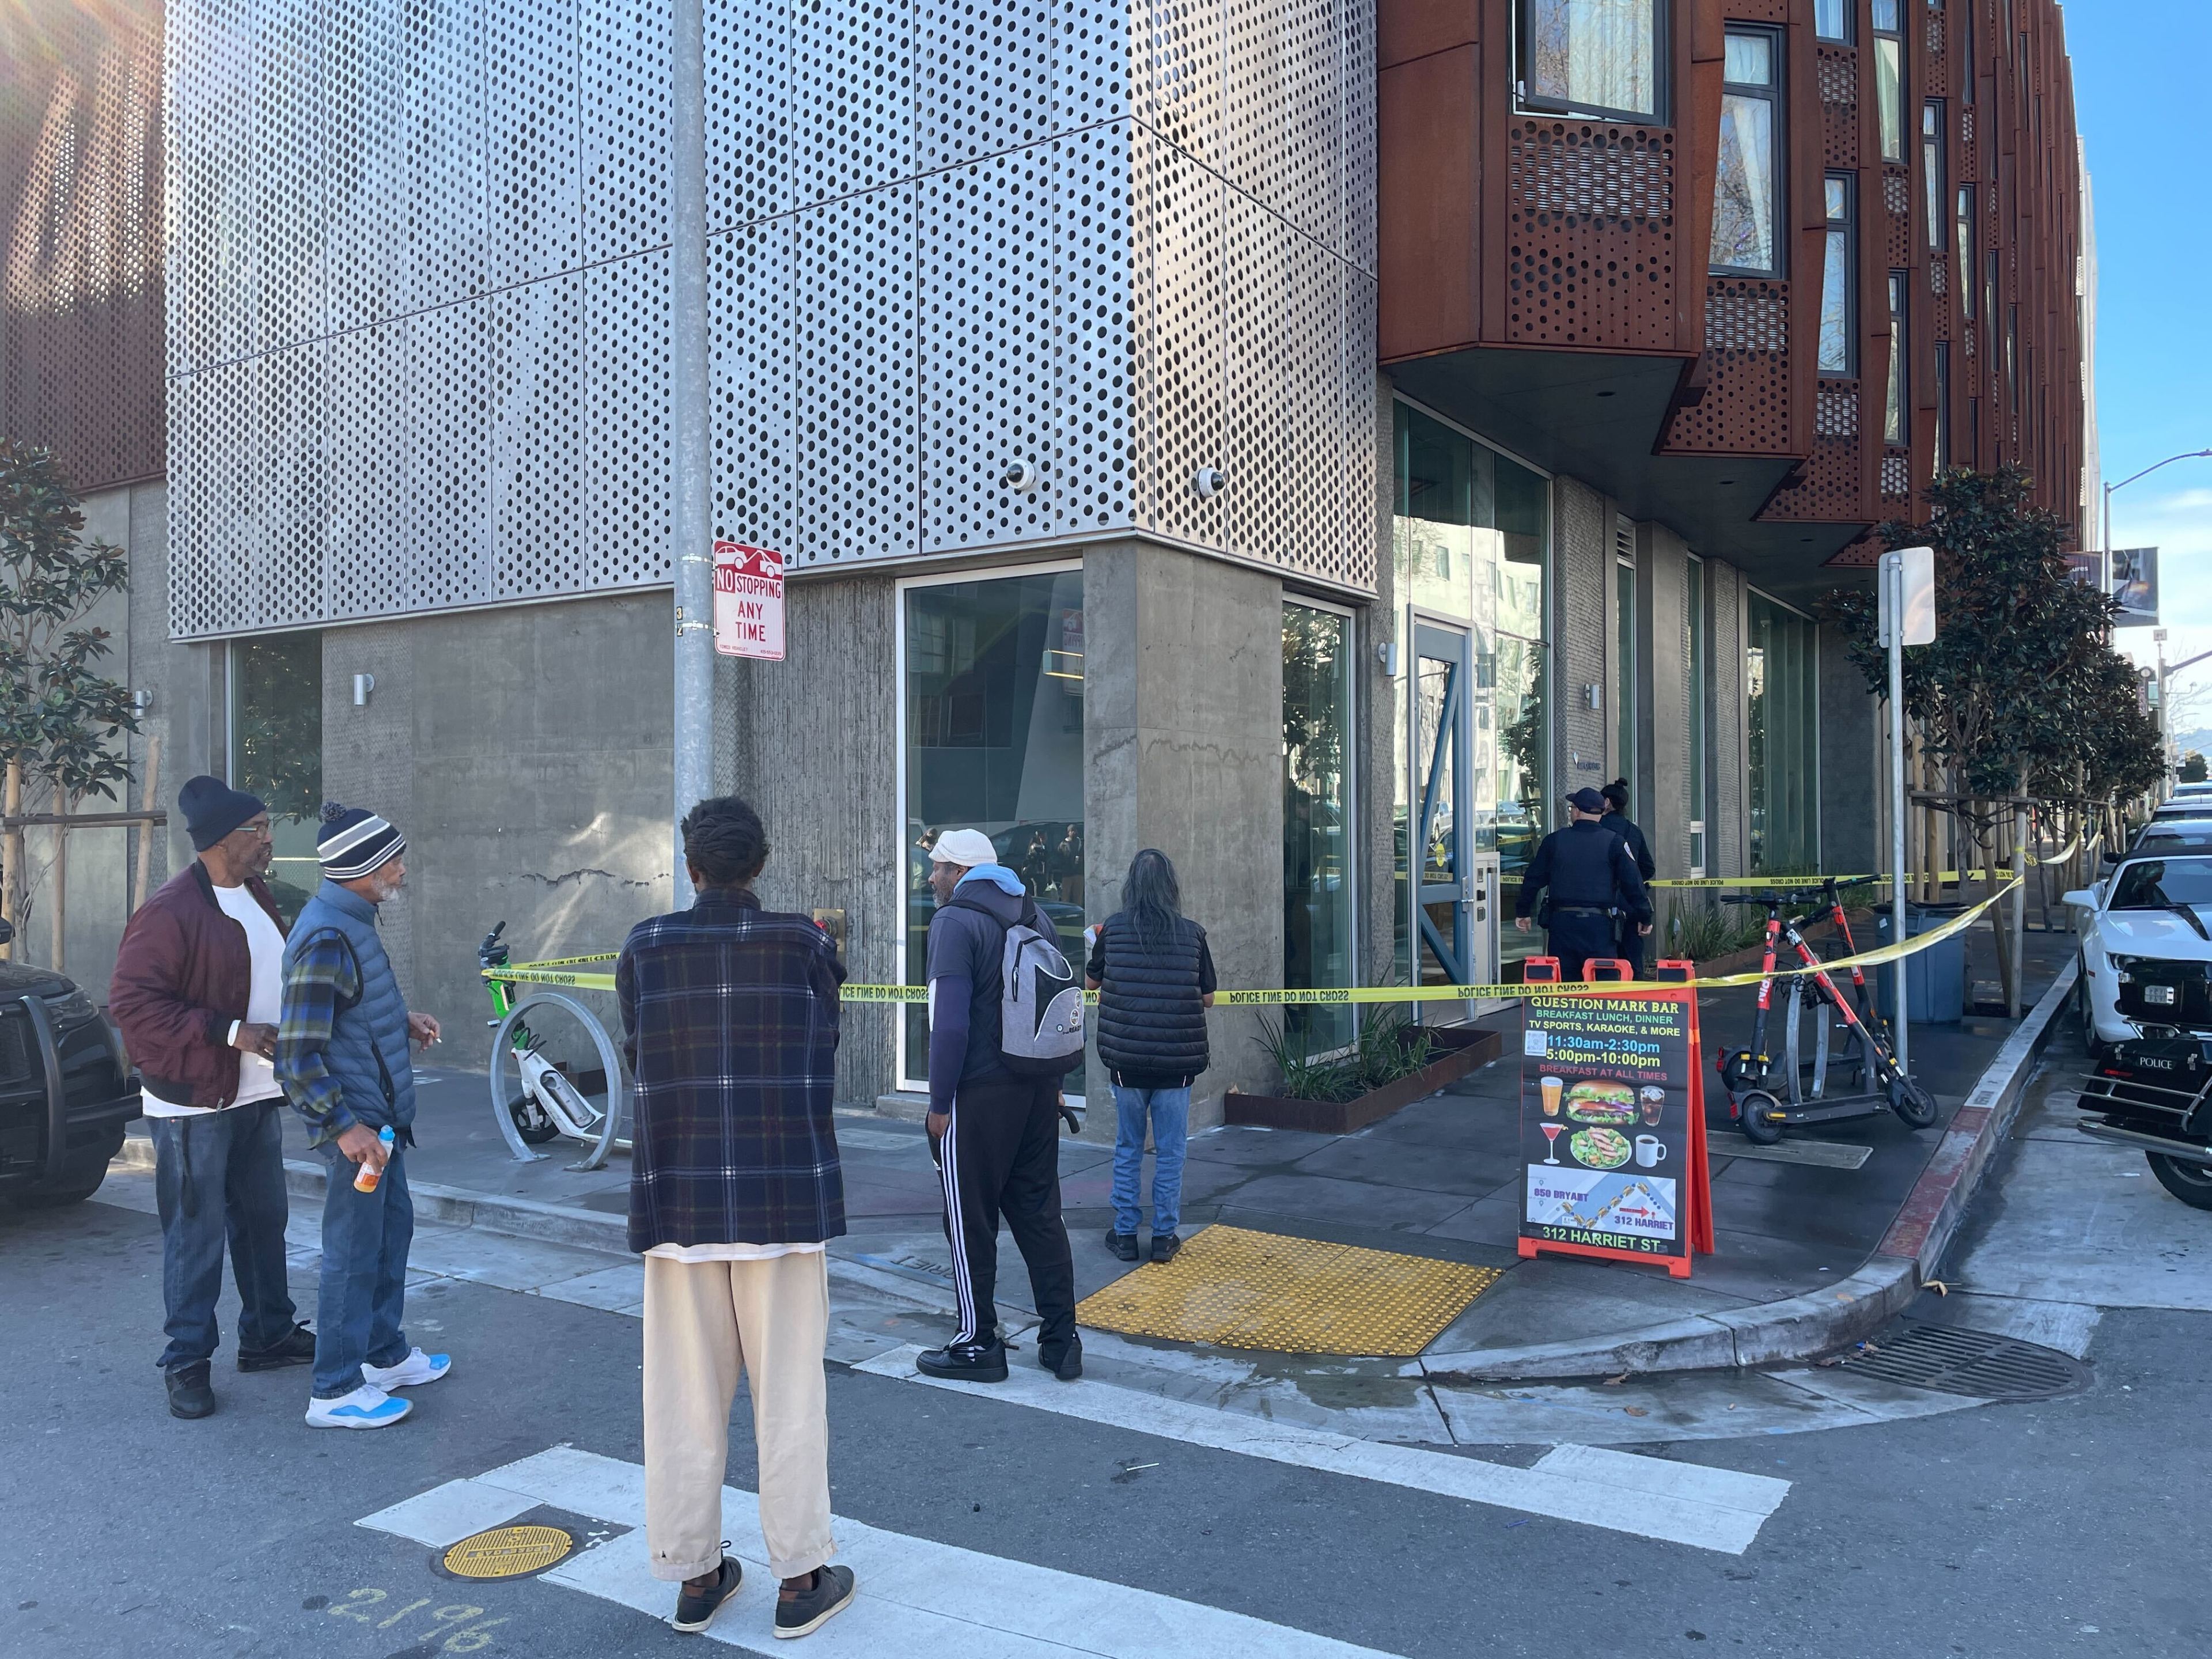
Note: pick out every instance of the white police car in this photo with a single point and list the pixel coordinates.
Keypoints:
(2146, 949)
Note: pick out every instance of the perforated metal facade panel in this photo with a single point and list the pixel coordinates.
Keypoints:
(419, 289)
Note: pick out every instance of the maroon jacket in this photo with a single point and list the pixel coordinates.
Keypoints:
(183, 974)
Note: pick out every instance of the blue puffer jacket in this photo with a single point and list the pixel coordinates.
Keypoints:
(375, 1023)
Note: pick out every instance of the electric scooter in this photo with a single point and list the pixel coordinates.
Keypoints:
(1751, 1076)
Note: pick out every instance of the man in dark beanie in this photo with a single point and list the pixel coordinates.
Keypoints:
(195, 993)
(342, 1056)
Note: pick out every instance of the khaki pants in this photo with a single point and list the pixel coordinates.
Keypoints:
(706, 1324)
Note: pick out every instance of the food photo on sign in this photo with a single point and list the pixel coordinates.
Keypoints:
(1608, 1099)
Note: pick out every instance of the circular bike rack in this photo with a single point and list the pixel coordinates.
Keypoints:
(502, 1055)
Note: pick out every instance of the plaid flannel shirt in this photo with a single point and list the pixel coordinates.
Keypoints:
(730, 1027)
(322, 975)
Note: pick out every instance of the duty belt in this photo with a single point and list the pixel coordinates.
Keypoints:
(1580, 910)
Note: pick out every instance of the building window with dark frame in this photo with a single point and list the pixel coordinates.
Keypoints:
(1838, 353)
(1966, 222)
(1894, 415)
(1990, 286)
(1932, 169)
(1746, 186)
(1942, 455)
(1889, 75)
(1601, 57)
(1832, 18)
(2012, 359)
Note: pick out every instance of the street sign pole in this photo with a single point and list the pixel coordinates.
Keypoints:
(691, 520)
(1893, 629)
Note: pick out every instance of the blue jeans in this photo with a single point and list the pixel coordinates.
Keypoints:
(220, 1179)
(364, 1288)
(1167, 1113)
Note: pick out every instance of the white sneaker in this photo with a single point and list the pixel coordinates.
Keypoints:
(367, 1407)
(417, 1367)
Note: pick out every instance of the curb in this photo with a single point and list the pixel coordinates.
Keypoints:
(1801, 1327)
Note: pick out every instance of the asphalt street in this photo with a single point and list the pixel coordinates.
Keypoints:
(2003, 1529)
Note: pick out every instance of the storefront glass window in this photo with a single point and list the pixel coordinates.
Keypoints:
(277, 751)
(1781, 665)
(1469, 537)
(1318, 950)
(993, 736)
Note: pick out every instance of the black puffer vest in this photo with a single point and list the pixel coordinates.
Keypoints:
(1151, 1026)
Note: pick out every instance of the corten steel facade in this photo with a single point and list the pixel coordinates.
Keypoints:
(80, 292)
(1535, 260)
(419, 267)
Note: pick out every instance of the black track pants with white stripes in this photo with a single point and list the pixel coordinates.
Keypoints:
(1001, 1157)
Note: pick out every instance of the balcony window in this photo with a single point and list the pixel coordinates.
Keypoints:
(1894, 417)
(1942, 459)
(1838, 355)
(1832, 18)
(1932, 169)
(1889, 77)
(1966, 219)
(1746, 196)
(1590, 56)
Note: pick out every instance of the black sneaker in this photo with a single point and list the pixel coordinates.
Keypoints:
(1122, 1244)
(1164, 1246)
(1066, 1363)
(189, 1394)
(696, 1609)
(806, 1611)
(295, 1348)
(968, 1362)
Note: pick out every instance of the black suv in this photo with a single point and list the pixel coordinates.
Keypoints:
(65, 1093)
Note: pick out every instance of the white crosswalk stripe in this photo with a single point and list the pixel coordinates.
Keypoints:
(915, 1596)
(1651, 1496)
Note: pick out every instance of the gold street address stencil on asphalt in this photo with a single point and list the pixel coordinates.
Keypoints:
(1239, 1289)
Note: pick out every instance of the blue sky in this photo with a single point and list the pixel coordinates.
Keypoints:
(2138, 72)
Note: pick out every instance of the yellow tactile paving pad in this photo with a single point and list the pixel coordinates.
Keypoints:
(1239, 1289)
(507, 1552)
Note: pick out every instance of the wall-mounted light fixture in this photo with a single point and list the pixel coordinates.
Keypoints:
(362, 685)
(141, 703)
(1386, 652)
(1593, 695)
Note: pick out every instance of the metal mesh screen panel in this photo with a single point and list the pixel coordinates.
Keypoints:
(1114, 244)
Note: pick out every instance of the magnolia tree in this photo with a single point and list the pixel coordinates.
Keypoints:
(2021, 694)
(58, 714)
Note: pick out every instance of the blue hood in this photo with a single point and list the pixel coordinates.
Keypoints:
(998, 875)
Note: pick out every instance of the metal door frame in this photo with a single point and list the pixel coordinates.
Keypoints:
(1456, 641)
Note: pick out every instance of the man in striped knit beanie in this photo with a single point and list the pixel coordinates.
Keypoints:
(342, 1056)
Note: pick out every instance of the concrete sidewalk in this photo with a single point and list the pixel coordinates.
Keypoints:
(1812, 1252)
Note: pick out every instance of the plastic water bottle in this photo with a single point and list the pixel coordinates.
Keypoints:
(368, 1175)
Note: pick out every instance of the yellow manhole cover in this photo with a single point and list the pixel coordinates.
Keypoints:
(507, 1552)
(1239, 1289)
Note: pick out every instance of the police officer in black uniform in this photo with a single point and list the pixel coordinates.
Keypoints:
(1631, 946)
(1587, 873)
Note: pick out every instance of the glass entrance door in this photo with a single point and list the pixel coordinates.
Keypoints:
(1442, 700)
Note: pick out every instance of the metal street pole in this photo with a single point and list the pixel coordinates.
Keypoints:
(690, 484)
(1892, 615)
(2185, 455)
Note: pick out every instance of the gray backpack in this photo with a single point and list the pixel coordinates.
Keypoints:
(1040, 1003)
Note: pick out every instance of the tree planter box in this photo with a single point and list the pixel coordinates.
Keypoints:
(1465, 1048)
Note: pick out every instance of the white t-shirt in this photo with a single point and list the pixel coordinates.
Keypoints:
(697, 1253)
(264, 1002)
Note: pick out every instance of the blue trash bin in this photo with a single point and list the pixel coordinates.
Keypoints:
(1935, 979)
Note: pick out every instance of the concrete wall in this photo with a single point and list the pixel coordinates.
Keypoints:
(101, 860)
(812, 742)
(526, 754)
(1728, 735)
(1183, 728)
(1582, 609)
(1662, 805)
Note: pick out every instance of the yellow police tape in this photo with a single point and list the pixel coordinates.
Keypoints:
(541, 974)
(1814, 880)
